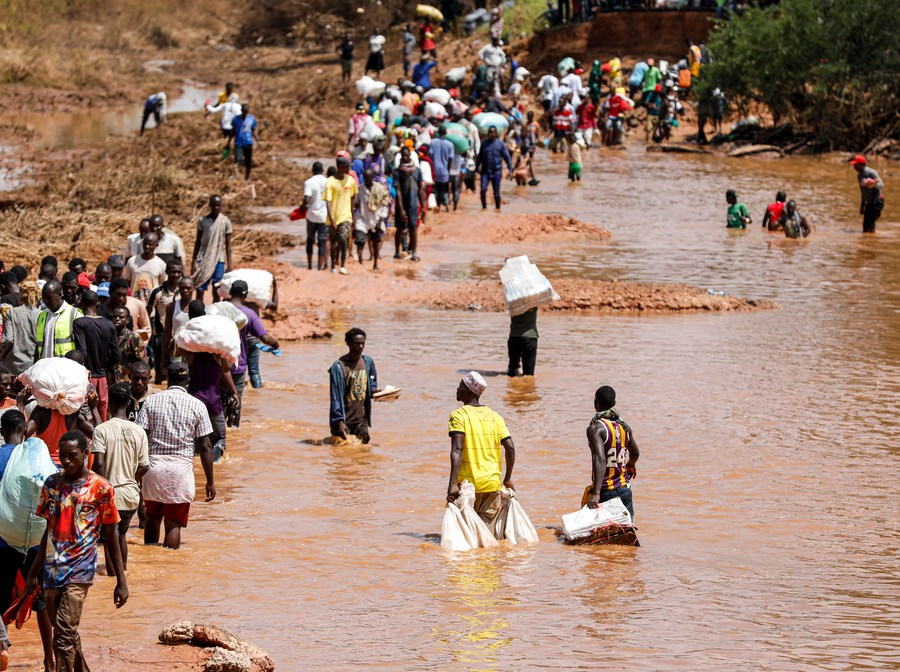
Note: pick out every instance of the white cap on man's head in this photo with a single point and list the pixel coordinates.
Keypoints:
(475, 382)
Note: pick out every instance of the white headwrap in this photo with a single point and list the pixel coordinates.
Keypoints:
(475, 382)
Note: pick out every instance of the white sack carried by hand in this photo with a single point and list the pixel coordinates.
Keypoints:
(455, 534)
(57, 383)
(466, 503)
(516, 526)
(214, 334)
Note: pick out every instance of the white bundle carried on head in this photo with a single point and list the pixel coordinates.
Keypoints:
(524, 286)
(57, 383)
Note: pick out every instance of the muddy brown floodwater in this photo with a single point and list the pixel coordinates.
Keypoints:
(767, 489)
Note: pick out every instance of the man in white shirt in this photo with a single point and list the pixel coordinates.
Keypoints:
(575, 85)
(494, 59)
(376, 53)
(548, 84)
(170, 244)
(146, 271)
(316, 216)
(229, 109)
(133, 245)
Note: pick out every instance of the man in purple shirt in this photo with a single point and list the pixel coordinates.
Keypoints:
(441, 153)
(209, 374)
(254, 327)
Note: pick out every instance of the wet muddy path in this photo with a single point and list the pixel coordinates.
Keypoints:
(766, 496)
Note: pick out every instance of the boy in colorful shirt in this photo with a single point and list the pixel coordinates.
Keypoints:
(76, 503)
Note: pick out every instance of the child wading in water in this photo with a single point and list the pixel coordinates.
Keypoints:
(77, 504)
(574, 156)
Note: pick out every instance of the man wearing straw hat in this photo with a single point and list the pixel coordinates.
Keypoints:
(476, 435)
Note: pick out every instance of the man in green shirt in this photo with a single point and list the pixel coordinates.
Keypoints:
(738, 215)
(651, 78)
(522, 343)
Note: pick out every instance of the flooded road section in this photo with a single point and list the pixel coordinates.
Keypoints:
(766, 494)
(91, 128)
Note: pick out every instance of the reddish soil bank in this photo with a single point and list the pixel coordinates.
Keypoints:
(597, 295)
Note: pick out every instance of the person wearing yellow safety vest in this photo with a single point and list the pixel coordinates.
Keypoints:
(54, 335)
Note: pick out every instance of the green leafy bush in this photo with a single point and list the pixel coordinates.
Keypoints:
(827, 66)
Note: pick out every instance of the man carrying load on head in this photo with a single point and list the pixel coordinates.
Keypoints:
(476, 435)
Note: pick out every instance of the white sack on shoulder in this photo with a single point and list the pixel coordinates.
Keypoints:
(214, 334)
(259, 284)
(229, 310)
(57, 383)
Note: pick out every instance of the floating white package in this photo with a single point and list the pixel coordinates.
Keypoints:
(57, 383)
(586, 521)
(524, 286)
(259, 284)
(214, 334)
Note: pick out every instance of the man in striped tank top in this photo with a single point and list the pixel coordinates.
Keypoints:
(614, 453)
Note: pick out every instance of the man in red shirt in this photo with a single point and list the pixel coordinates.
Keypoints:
(587, 118)
(773, 212)
(563, 124)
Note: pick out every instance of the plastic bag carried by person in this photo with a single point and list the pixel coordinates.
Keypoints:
(587, 522)
(215, 334)
(513, 523)
(524, 286)
(229, 310)
(259, 284)
(484, 537)
(484, 120)
(57, 383)
(427, 176)
(455, 534)
(20, 491)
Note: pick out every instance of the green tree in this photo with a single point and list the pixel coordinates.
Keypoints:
(827, 66)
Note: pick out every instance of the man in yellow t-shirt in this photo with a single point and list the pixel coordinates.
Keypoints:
(340, 200)
(476, 435)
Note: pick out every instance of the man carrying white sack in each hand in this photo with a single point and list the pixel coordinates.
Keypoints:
(476, 435)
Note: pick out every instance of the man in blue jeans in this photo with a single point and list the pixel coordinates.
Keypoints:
(490, 164)
(614, 453)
